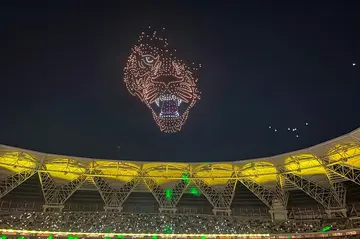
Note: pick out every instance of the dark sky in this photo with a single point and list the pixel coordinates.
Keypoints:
(279, 65)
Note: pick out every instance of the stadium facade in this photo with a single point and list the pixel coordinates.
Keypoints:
(325, 177)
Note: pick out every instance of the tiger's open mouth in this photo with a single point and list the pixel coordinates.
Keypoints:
(168, 106)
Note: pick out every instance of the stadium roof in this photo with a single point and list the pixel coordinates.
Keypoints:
(306, 162)
(317, 171)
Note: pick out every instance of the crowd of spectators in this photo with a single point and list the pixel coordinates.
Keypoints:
(156, 223)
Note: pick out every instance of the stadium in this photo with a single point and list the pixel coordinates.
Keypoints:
(308, 193)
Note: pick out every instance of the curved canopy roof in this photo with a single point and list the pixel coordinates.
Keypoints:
(306, 162)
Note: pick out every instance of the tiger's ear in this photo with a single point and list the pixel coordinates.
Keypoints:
(136, 49)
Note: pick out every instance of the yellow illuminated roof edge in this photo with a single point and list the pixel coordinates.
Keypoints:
(269, 159)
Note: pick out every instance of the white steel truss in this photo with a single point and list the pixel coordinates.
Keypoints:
(353, 212)
(12, 181)
(167, 202)
(265, 195)
(281, 194)
(276, 200)
(296, 213)
(326, 197)
(339, 191)
(220, 200)
(340, 167)
(56, 195)
(336, 185)
(114, 198)
(346, 171)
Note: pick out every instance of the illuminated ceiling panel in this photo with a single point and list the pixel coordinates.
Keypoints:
(215, 174)
(122, 171)
(162, 172)
(304, 164)
(17, 161)
(260, 172)
(349, 152)
(65, 169)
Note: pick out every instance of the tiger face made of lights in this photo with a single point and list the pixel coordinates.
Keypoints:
(164, 83)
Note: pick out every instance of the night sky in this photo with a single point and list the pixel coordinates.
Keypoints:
(277, 65)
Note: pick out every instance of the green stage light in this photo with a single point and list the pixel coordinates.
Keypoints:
(326, 229)
(168, 229)
(168, 194)
(185, 177)
(194, 191)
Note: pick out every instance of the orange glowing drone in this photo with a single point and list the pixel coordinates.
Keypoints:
(160, 80)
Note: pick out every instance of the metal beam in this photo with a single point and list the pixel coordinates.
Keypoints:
(265, 195)
(281, 194)
(220, 200)
(58, 194)
(336, 185)
(114, 198)
(345, 171)
(12, 181)
(159, 192)
(341, 168)
(322, 195)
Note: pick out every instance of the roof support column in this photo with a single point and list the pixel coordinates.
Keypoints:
(265, 195)
(338, 190)
(56, 195)
(12, 181)
(326, 197)
(278, 209)
(220, 200)
(336, 162)
(276, 200)
(345, 171)
(167, 198)
(335, 213)
(114, 198)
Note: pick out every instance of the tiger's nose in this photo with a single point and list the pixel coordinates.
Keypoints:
(165, 79)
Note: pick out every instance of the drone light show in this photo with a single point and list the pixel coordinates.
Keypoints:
(165, 84)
